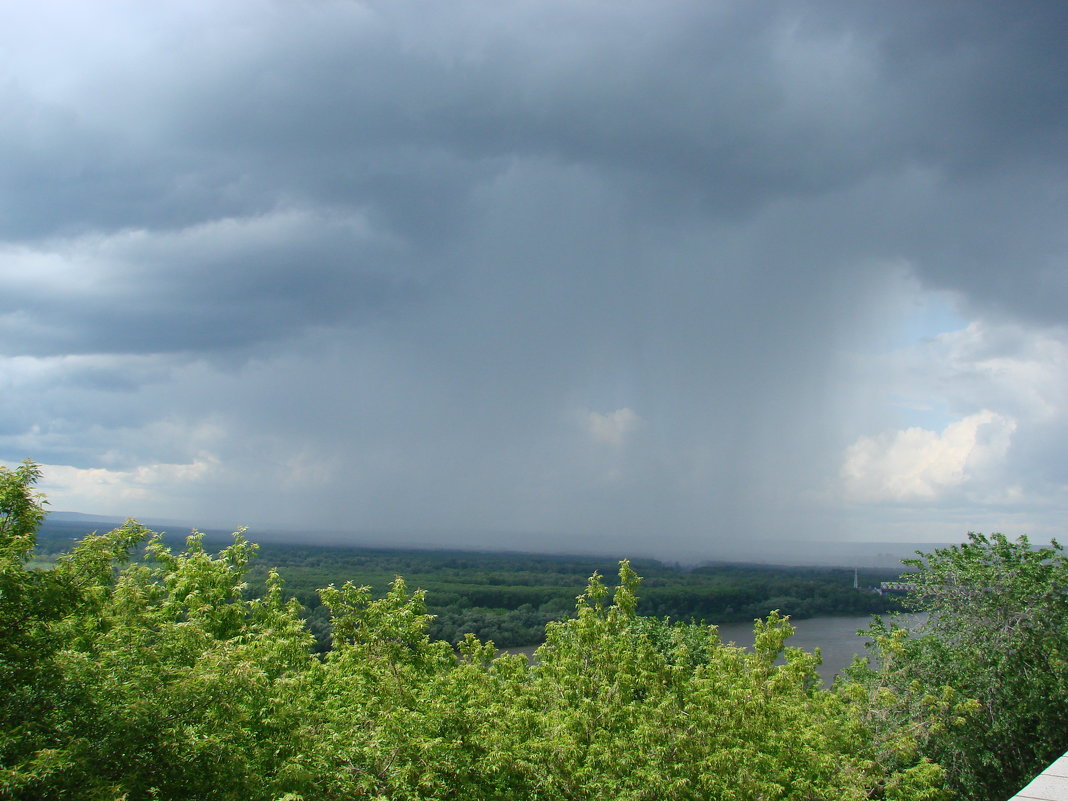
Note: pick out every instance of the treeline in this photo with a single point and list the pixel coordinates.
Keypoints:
(131, 669)
(508, 598)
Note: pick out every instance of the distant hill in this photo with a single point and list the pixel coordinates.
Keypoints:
(80, 517)
(822, 552)
(785, 552)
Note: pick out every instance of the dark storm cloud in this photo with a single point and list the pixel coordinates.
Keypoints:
(402, 111)
(226, 284)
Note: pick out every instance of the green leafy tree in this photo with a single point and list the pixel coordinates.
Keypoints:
(30, 600)
(618, 706)
(162, 682)
(997, 633)
(21, 512)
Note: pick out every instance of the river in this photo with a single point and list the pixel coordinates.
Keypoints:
(836, 637)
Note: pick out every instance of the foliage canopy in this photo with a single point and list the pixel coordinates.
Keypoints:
(995, 632)
(160, 678)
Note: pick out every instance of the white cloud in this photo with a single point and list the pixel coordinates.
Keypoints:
(117, 492)
(612, 428)
(920, 464)
(1017, 369)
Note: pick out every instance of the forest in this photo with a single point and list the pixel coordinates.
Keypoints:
(510, 597)
(133, 668)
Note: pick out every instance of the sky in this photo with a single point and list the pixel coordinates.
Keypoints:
(681, 279)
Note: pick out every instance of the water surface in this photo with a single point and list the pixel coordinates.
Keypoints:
(836, 637)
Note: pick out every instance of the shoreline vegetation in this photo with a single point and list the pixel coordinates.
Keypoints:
(138, 669)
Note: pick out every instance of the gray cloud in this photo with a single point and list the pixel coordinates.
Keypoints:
(410, 252)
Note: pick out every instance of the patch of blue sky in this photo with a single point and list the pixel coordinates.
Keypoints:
(899, 349)
(911, 317)
(930, 314)
(930, 413)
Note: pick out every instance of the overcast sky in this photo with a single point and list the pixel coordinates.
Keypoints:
(640, 277)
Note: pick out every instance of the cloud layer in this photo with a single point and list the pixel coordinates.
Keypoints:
(648, 278)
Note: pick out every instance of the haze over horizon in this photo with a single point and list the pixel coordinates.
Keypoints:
(669, 278)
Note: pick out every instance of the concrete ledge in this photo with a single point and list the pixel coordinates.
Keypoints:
(1050, 785)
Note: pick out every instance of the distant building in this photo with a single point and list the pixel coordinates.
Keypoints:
(896, 587)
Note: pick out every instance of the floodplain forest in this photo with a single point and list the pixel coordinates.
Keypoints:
(133, 669)
(509, 597)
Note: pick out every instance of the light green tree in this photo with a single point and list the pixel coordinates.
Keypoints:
(174, 668)
(622, 707)
(155, 679)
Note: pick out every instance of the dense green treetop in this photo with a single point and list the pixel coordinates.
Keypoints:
(996, 631)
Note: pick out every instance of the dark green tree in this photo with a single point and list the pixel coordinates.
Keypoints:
(29, 601)
(996, 631)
